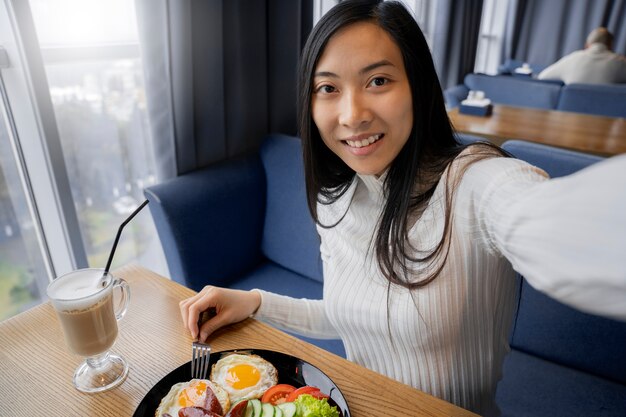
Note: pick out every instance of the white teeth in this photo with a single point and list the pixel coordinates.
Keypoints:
(364, 142)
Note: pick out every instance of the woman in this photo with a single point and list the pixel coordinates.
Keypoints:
(419, 235)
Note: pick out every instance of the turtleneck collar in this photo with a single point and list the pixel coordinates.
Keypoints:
(374, 183)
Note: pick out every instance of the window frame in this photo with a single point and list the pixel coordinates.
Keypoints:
(36, 142)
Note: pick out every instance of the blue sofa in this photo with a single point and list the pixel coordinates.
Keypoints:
(244, 224)
(602, 100)
(504, 89)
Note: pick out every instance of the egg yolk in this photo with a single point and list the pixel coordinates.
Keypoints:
(242, 376)
(192, 395)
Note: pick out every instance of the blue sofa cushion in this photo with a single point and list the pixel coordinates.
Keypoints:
(282, 281)
(275, 278)
(553, 331)
(515, 91)
(556, 162)
(603, 100)
(533, 387)
(289, 235)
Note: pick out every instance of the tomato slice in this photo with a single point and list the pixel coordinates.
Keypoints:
(277, 394)
(318, 394)
(313, 391)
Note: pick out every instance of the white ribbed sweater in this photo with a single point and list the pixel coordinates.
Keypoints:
(450, 337)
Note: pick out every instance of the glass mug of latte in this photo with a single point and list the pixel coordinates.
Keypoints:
(88, 313)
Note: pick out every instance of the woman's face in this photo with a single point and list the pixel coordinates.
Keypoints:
(361, 101)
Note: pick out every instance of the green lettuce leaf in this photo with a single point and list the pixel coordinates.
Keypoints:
(308, 406)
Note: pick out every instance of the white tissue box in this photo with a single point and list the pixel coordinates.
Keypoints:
(476, 104)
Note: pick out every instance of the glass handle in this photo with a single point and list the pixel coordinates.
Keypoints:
(122, 306)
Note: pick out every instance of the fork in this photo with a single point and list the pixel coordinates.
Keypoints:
(200, 354)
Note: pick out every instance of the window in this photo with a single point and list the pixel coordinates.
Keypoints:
(21, 261)
(491, 38)
(320, 7)
(86, 149)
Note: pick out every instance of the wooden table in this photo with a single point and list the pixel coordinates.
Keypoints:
(600, 135)
(37, 368)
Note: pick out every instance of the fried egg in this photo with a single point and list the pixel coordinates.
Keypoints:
(244, 377)
(191, 394)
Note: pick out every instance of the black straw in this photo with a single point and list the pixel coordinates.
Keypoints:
(117, 238)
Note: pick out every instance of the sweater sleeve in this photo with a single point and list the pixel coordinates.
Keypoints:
(302, 316)
(566, 236)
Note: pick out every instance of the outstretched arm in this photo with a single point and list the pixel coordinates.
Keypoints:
(567, 236)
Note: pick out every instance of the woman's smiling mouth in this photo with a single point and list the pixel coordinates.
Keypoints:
(363, 142)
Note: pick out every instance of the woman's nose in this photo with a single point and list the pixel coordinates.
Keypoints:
(354, 111)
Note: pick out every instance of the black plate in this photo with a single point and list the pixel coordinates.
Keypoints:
(291, 370)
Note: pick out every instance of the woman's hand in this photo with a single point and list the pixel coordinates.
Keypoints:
(230, 306)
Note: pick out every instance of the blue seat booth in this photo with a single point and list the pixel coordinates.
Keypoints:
(505, 89)
(597, 99)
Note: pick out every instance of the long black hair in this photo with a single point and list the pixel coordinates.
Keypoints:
(415, 172)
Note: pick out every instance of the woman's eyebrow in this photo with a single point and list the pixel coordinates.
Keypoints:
(325, 74)
(364, 70)
(371, 67)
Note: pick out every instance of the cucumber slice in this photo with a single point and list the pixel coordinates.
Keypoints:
(278, 412)
(288, 409)
(268, 410)
(256, 408)
(249, 410)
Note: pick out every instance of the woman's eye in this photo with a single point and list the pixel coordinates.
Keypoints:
(326, 89)
(379, 81)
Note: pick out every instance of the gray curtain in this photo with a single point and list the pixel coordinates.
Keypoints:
(457, 28)
(541, 32)
(219, 74)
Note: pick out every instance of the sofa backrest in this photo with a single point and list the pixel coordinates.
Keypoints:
(549, 329)
(289, 235)
(192, 215)
(516, 91)
(467, 138)
(603, 100)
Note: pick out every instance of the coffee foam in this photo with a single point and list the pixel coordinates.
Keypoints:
(77, 290)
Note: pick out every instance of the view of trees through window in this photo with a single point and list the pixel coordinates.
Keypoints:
(100, 114)
(103, 128)
(20, 259)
